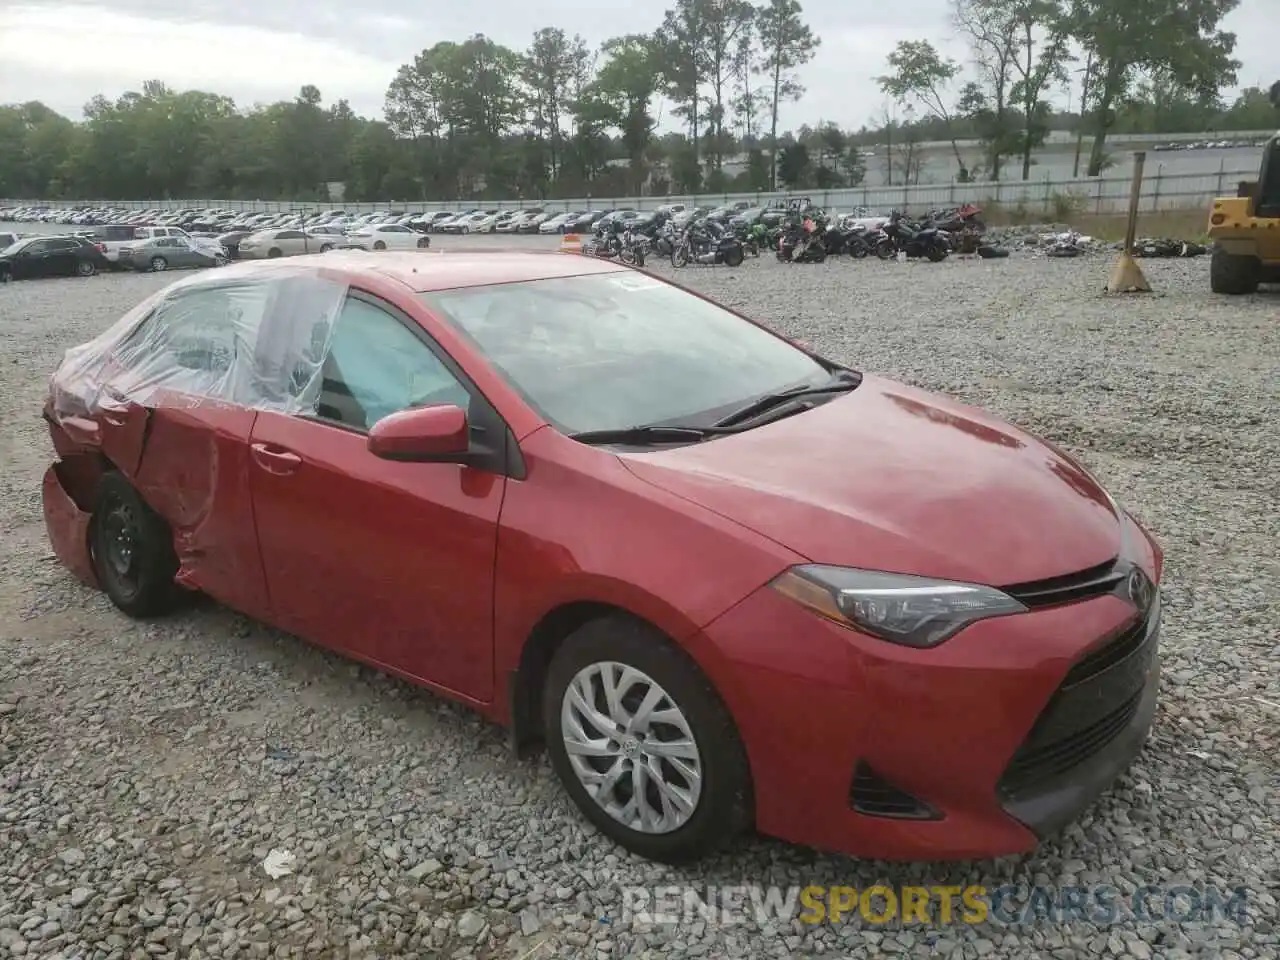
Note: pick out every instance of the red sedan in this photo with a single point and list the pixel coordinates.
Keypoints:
(727, 582)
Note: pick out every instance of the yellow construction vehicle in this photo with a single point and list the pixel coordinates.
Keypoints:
(1246, 227)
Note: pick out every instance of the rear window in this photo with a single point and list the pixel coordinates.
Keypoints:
(115, 233)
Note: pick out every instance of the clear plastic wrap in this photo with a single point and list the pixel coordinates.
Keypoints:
(254, 336)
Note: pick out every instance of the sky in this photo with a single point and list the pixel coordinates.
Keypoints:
(63, 52)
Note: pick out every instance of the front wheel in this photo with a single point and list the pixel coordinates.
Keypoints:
(379, 245)
(937, 253)
(132, 550)
(858, 250)
(85, 268)
(680, 256)
(885, 250)
(643, 744)
(1233, 273)
(733, 256)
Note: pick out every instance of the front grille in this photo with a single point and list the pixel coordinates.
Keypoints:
(1094, 704)
(1096, 581)
(874, 796)
(1031, 766)
(1108, 655)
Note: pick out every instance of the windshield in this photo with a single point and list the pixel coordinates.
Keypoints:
(610, 351)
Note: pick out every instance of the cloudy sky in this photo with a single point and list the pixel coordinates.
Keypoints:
(65, 52)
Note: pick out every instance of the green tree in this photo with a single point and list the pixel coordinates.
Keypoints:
(918, 74)
(787, 44)
(624, 88)
(727, 24)
(1181, 38)
(794, 165)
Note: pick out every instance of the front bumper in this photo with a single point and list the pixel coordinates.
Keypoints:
(943, 726)
(68, 528)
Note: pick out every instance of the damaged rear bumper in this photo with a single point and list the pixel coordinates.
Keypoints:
(68, 528)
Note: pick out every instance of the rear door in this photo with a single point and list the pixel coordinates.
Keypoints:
(391, 562)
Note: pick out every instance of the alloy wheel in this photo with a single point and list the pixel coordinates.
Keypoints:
(631, 747)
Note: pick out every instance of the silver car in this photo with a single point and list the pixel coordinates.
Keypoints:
(166, 253)
(283, 242)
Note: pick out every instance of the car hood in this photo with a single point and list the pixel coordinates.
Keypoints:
(893, 478)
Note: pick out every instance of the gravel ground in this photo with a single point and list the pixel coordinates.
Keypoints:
(147, 769)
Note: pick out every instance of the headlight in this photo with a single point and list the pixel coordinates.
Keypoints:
(913, 611)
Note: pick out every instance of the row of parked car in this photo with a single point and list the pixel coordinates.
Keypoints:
(216, 222)
(155, 240)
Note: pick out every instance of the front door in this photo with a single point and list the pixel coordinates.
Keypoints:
(392, 562)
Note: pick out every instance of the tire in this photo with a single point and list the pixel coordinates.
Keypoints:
(136, 573)
(424, 243)
(885, 251)
(326, 247)
(379, 245)
(858, 251)
(85, 268)
(679, 256)
(639, 258)
(1234, 274)
(721, 803)
(937, 253)
(159, 264)
(274, 253)
(733, 256)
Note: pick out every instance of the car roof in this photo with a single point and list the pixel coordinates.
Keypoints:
(424, 272)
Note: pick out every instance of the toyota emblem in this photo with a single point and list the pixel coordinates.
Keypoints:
(1141, 590)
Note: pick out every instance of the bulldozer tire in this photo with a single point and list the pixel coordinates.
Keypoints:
(1233, 273)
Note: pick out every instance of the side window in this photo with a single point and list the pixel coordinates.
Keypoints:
(377, 366)
(289, 235)
(40, 246)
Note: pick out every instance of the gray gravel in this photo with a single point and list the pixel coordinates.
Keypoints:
(147, 770)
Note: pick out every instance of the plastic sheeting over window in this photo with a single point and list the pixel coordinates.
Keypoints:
(248, 336)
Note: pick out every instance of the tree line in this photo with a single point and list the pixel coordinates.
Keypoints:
(476, 119)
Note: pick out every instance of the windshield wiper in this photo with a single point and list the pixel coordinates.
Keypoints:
(843, 381)
(643, 436)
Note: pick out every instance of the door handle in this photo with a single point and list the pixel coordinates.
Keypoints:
(279, 462)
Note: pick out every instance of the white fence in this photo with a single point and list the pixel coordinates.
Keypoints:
(1101, 195)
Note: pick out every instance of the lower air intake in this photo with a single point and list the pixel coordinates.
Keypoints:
(875, 796)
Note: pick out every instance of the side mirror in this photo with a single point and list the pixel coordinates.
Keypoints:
(438, 433)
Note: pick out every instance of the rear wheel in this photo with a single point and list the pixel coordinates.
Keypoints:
(643, 744)
(132, 550)
(326, 247)
(274, 252)
(733, 256)
(85, 268)
(379, 245)
(159, 263)
(885, 250)
(1234, 274)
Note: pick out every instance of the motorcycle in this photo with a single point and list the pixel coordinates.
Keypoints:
(754, 238)
(707, 249)
(851, 239)
(802, 242)
(632, 248)
(902, 236)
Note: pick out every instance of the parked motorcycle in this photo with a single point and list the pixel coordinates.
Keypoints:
(802, 242)
(699, 244)
(901, 235)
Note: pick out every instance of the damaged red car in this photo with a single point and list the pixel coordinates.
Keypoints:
(727, 582)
